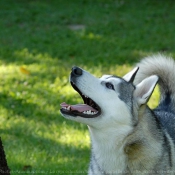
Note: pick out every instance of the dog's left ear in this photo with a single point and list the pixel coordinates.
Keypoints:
(129, 77)
(143, 90)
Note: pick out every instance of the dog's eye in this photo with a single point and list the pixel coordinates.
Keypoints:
(110, 86)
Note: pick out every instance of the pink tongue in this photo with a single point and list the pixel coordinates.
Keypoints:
(79, 107)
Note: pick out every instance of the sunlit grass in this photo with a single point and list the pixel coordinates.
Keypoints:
(32, 129)
(154, 100)
(30, 120)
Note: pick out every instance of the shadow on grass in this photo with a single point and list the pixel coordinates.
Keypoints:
(54, 155)
(18, 108)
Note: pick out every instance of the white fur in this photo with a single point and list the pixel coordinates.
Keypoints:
(110, 152)
(117, 127)
(158, 65)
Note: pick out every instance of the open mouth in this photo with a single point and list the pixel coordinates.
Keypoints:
(87, 110)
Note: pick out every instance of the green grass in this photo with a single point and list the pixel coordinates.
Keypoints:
(39, 43)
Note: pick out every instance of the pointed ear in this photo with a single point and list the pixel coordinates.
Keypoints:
(144, 89)
(129, 77)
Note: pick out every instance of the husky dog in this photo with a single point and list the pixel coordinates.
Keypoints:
(127, 136)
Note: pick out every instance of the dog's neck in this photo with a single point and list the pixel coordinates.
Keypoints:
(108, 150)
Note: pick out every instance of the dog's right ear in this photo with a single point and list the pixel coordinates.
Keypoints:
(144, 89)
(129, 77)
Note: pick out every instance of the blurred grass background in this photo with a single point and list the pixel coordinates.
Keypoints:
(40, 40)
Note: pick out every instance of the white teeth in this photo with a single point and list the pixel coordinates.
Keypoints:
(85, 96)
(67, 108)
(90, 112)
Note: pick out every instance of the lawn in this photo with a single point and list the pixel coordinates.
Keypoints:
(39, 43)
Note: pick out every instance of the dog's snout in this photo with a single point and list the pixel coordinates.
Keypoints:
(76, 71)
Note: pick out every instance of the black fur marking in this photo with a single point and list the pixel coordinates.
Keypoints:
(114, 76)
(126, 94)
(133, 76)
(98, 166)
(92, 166)
(158, 124)
(167, 121)
(165, 104)
(167, 145)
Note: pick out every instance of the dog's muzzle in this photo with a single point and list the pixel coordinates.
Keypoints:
(87, 110)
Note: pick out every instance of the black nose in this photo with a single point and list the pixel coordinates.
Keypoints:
(76, 71)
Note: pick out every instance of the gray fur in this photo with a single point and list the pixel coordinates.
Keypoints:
(164, 67)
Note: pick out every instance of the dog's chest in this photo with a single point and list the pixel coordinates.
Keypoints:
(108, 160)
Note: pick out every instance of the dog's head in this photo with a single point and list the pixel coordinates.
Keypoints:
(109, 100)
